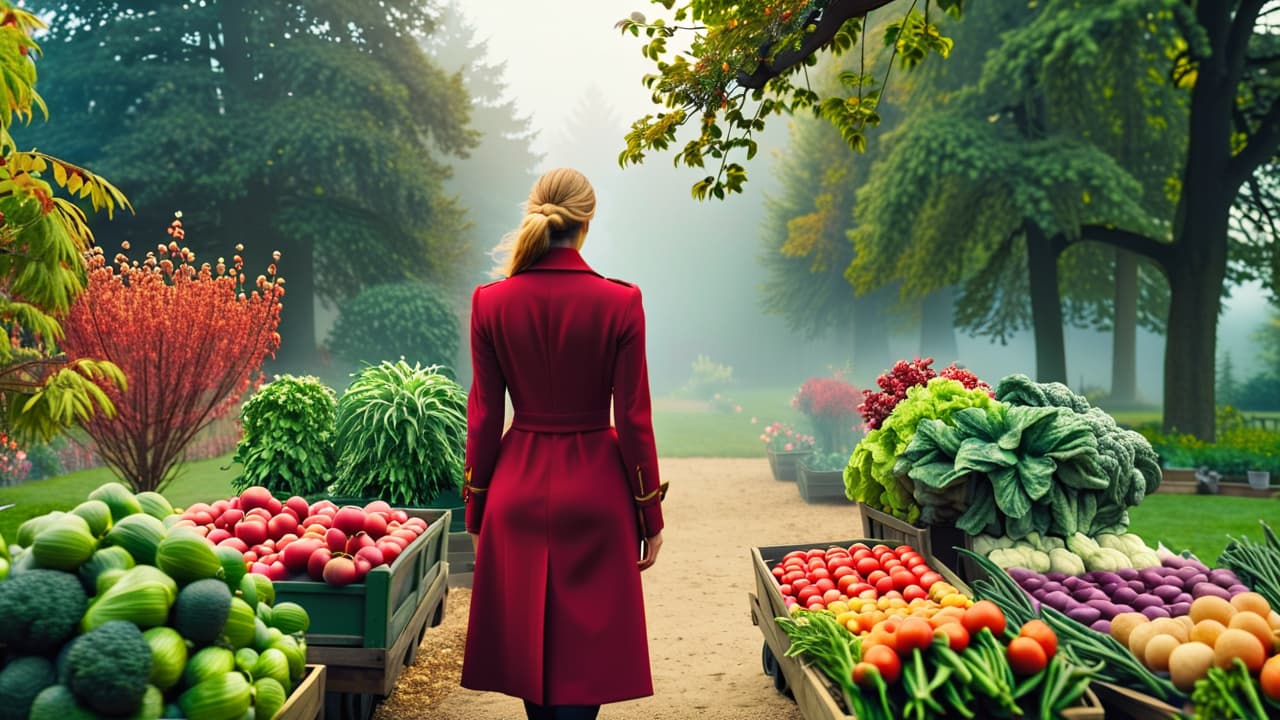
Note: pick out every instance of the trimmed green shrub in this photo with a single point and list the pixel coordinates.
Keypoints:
(385, 322)
(288, 441)
(401, 434)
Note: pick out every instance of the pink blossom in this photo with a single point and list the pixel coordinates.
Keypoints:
(753, 420)
(788, 447)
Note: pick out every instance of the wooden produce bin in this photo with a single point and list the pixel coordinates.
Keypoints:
(937, 541)
(306, 702)
(365, 633)
(1126, 704)
(815, 694)
(817, 486)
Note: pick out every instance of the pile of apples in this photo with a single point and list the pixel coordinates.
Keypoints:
(293, 539)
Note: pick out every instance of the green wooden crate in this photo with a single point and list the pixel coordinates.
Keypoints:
(372, 614)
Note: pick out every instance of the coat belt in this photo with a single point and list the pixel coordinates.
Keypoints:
(589, 421)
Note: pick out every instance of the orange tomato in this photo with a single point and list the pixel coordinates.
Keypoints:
(1040, 632)
(956, 636)
(885, 660)
(914, 633)
(1026, 656)
(1269, 678)
(984, 614)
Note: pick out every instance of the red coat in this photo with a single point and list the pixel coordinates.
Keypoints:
(557, 612)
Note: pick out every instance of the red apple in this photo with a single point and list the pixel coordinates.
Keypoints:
(378, 506)
(399, 516)
(255, 497)
(375, 523)
(259, 513)
(217, 535)
(415, 522)
(220, 506)
(319, 505)
(202, 517)
(357, 541)
(299, 506)
(390, 550)
(277, 571)
(396, 539)
(250, 556)
(316, 562)
(296, 554)
(349, 520)
(336, 540)
(234, 542)
(259, 567)
(340, 571)
(229, 518)
(372, 554)
(363, 567)
(262, 549)
(251, 532)
(281, 525)
(407, 534)
(269, 558)
(235, 503)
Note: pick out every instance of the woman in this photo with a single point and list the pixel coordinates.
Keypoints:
(560, 504)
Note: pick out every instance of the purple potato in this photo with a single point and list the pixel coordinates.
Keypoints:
(1055, 576)
(1110, 588)
(1108, 578)
(1237, 589)
(1204, 588)
(1084, 614)
(1183, 598)
(1194, 580)
(1124, 595)
(1179, 609)
(1223, 578)
(1137, 586)
(1151, 577)
(1167, 593)
(1050, 586)
(1127, 573)
(1155, 611)
(1020, 574)
(1121, 609)
(1057, 600)
(1103, 626)
(1084, 594)
(1032, 582)
(1146, 600)
(1186, 573)
(1074, 583)
(1106, 607)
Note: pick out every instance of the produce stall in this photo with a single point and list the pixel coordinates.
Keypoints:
(1024, 488)
(123, 608)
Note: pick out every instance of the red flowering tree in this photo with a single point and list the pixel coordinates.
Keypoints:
(831, 404)
(190, 340)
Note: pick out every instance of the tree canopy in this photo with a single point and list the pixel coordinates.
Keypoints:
(317, 128)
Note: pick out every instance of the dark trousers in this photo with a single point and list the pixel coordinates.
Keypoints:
(560, 712)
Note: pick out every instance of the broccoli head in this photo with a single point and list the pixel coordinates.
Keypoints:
(108, 668)
(41, 610)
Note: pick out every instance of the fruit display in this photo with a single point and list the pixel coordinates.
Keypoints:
(294, 539)
(899, 641)
(119, 609)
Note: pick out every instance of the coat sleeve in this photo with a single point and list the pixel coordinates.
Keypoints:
(633, 419)
(486, 406)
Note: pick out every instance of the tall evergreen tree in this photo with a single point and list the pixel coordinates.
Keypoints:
(317, 128)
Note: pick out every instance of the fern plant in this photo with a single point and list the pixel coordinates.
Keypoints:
(401, 434)
(288, 440)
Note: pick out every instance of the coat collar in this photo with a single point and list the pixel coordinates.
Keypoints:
(562, 258)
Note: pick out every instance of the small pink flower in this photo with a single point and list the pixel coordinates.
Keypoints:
(753, 420)
(737, 408)
(788, 447)
(764, 438)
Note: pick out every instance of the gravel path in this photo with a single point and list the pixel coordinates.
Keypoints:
(704, 650)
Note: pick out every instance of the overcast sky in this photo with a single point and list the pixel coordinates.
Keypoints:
(556, 49)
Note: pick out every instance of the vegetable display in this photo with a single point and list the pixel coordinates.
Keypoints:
(141, 622)
(294, 539)
(935, 654)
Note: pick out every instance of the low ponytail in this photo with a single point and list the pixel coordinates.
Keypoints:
(561, 201)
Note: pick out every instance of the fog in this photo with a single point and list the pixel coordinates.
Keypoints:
(578, 80)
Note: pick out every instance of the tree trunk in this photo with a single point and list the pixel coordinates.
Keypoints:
(1046, 306)
(1124, 348)
(1198, 263)
(298, 345)
(938, 328)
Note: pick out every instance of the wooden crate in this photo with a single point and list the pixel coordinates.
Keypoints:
(365, 633)
(817, 486)
(1126, 704)
(937, 541)
(306, 702)
(814, 692)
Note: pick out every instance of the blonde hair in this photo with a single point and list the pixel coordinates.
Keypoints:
(561, 202)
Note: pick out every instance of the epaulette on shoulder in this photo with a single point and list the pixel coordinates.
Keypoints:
(495, 282)
(621, 282)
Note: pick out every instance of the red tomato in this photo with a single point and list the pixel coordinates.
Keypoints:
(1026, 656)
(816, 553)
(340, 571)
(390, 550)
(809, 591)
(843, 561)
(905, 550)
(915, 560)
(800, 583)
(784, 589)
(885, 660)
(874, 577)
(336, 540)
(914, 634)
(854, 548)
(843, 571)
(788, 556)
(863, 553)
(984, 614)
(857, 589)
(1040, 632)
(824, 584)
(846, 582)
(378, 506)
(881, 549)
(919, 570)
(372, 554)
(893, 594)
(792, 576)
(819, 573)
(864, 674)
(867, 565)
(956, 636)
(928, 579)
(884, 585)
(891, 563)
(902, 580)
(831, 596)
(914, 592)
(778, 572)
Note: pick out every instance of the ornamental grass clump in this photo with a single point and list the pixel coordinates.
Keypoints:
(289, 436)
(401, 434)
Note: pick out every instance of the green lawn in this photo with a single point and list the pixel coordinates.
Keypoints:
(205, 480)
(1201, 523)
(692, 432)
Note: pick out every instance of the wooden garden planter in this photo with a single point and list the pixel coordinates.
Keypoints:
(820, 485)
(784, 463)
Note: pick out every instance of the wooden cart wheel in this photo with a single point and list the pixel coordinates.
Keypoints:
(769, 662)
(412, 652)
(438, 616)
(349, 706)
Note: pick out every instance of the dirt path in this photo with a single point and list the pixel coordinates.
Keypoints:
(704, 650)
